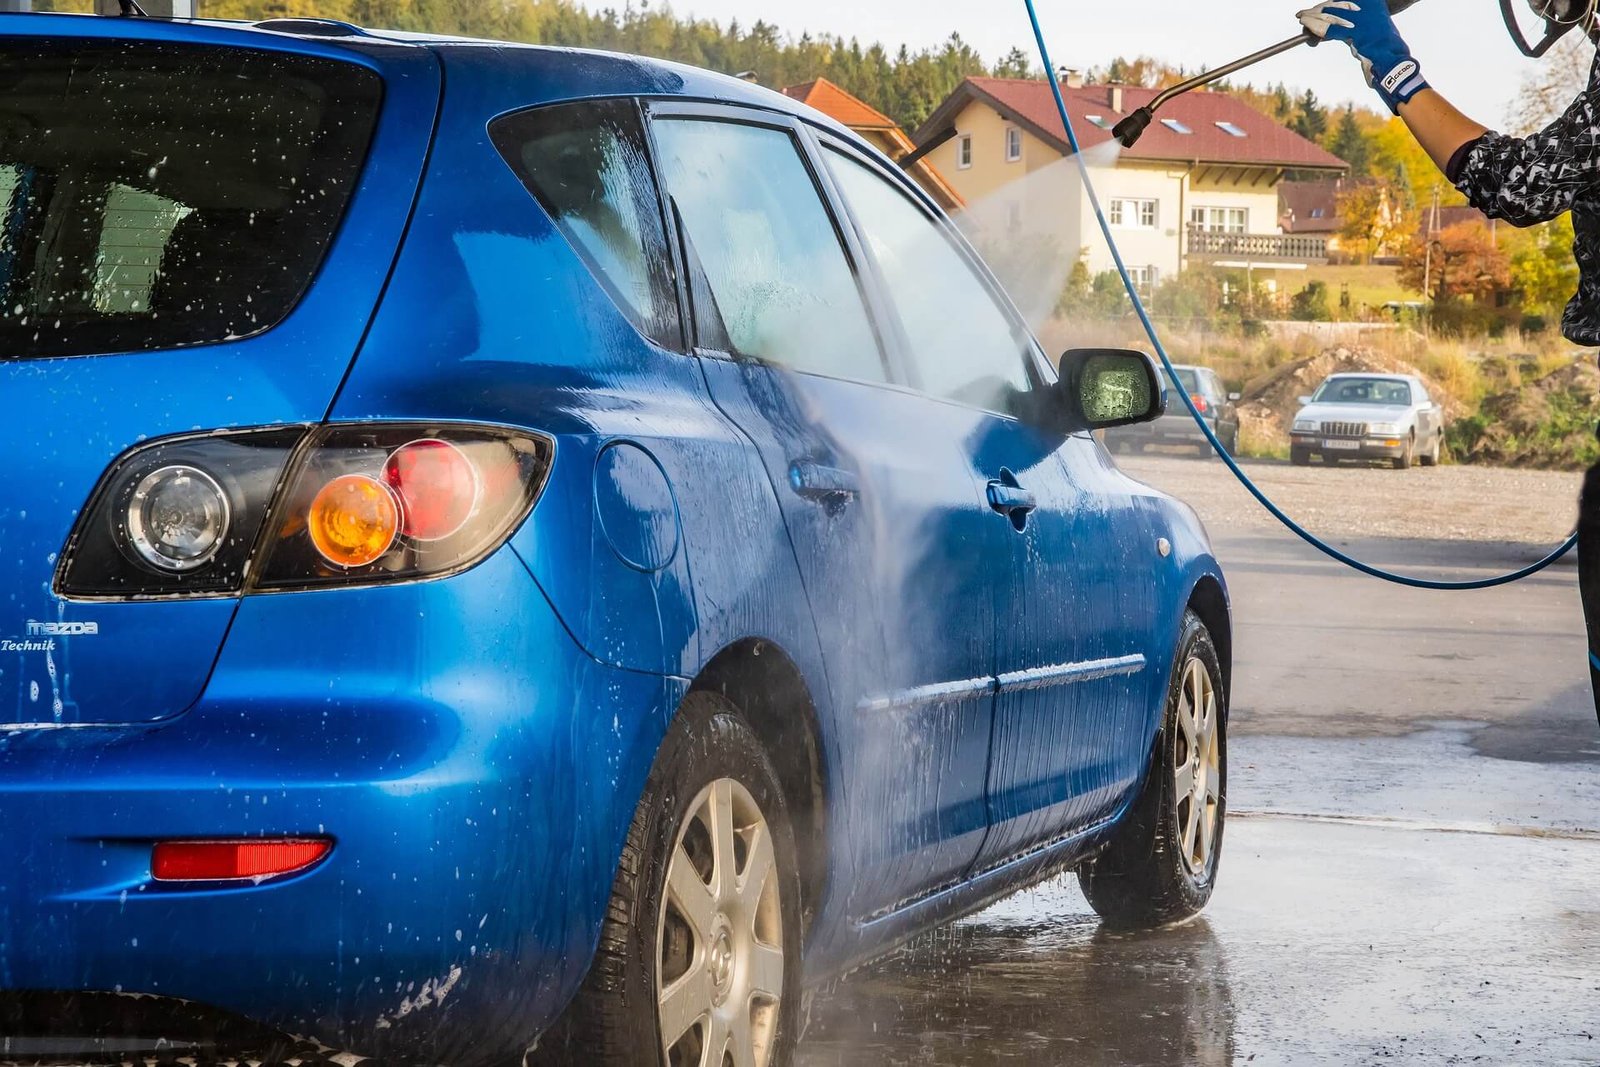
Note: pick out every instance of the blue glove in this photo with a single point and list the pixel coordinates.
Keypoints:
(1368, 29)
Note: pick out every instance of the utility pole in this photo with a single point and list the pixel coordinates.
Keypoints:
(1427, 261)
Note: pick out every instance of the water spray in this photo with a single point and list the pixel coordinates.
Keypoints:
(1127, 137)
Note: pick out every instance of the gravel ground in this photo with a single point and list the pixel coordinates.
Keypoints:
(1449, 503)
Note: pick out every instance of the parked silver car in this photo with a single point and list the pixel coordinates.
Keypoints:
(1368, 416)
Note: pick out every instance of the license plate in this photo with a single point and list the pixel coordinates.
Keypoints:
(1342, 446)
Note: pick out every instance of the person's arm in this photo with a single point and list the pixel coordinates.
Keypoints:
(1439, 128)
(1524, 180)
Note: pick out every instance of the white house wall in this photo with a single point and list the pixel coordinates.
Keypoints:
(1006, 194)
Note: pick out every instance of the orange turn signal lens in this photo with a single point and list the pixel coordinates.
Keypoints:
(353, 520)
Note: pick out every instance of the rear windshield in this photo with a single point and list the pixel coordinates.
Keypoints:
(1189, 379)
(158, 195)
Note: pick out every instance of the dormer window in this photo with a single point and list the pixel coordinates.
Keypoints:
(1175, 126)
(1231, 130)
(1098, 120)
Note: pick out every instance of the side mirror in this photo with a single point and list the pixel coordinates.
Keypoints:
(1102, 388)
(1304, 400)
(1234, 398)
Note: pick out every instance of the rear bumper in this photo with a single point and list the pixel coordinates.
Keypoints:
(474, 768)
(1351, 447)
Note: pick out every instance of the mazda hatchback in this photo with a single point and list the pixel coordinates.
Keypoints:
(515, 553)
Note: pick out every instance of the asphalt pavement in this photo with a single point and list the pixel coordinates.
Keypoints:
(1412, 862)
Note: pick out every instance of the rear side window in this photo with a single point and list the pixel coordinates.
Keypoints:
(763, 250)
(155, 195)
(588, 166)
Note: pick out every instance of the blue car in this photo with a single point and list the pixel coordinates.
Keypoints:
(516, 552)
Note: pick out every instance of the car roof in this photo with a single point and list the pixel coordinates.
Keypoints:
(1371, 374)
(599, 73)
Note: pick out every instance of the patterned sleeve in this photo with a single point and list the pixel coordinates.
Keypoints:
(1528, 180)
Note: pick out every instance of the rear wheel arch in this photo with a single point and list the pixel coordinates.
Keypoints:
(1208, 601)
(769, 691)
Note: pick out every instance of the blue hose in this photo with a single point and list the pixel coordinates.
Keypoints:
(1244, 479)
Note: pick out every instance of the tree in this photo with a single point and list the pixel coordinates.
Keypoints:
(1350, 144)
(1014, 64)
(1311, 119)
(1551, 86)
(1366, 218)
(1542, 267)
(1465, 263)
(1311, 304)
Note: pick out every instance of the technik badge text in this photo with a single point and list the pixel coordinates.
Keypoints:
(42, 636)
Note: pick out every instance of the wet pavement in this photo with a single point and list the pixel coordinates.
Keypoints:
(1411, 871)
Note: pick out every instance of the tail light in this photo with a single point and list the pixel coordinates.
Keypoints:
(1200, 404)
(229, 513)
(251, 858)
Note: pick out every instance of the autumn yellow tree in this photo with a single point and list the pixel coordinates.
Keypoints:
(1465, 262)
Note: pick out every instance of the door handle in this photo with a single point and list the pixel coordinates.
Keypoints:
(1009, 498)
(828, 485)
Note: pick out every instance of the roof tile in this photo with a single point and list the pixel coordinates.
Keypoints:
(1266, 142)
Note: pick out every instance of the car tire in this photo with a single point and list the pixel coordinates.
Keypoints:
(1402, 462)
(1430, 458)
(1160, 865)
(688, 942)
(1300, 457)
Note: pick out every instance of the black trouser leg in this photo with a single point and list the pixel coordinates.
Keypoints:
(1589, 572)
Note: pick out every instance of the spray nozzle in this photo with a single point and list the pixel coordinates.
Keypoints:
(1129, 129)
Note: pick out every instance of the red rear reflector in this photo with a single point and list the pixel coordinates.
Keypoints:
(437, 485)
(1200, 404)
(218, 861)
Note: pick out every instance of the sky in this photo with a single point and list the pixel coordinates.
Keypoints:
(1461, 44)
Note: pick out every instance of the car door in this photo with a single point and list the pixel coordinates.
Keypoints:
(1429, 415)
(896, 545)
(1067, 626)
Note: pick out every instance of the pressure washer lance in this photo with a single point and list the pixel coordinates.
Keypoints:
(1131, 128)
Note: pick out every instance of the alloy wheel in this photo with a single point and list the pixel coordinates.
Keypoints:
(719, 952)
(1197, 768)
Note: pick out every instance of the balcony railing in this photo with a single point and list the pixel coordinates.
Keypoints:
(1258, 247)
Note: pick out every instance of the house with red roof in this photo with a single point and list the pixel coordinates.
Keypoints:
(878, 130)
(1200, 187)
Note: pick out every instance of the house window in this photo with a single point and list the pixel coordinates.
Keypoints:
(1013, 144)
(1220, 219)
(1231, 130)
(1134, 214)
(1175, 126)
(1098, 120)
(964, 151)
(1145, 280)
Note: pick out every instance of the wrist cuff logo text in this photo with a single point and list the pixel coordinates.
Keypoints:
(1396, 77)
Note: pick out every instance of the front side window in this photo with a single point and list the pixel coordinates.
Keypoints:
(160, 195)
(963, 346)
(763, 250)
(587, 165)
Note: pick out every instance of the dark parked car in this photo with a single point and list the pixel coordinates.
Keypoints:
(517, 548)
(1176, 427)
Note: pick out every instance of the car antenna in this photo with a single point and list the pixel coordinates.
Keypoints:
(131, 9)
